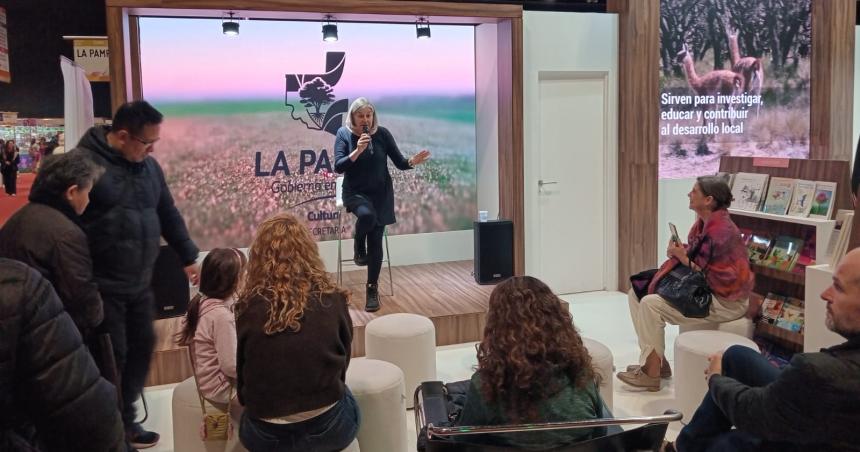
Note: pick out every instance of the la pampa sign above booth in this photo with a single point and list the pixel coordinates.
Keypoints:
(92, 54)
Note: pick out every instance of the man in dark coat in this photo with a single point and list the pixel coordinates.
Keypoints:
(46, 234)
(812, 404)
(47, 377)
(130, 209)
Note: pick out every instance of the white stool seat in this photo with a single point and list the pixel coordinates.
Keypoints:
(378, 389)
(601, 358)
(692, 350)
(742, 327)
(406, 340)
(187, 417)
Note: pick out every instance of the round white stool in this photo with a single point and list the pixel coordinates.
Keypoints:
(601, 358)
(692, 350)
(742, 327)
(406, 340)
(378, 389)
(186, 423)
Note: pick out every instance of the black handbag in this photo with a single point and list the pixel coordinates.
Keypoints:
(687, 289)
(640, 282)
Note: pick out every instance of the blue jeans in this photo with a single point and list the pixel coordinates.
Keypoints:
(709, 428)
(331, 431)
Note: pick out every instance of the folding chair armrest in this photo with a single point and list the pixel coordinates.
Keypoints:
(436, 430)
(431, 404)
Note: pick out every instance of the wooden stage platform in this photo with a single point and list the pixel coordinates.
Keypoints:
(444, 292)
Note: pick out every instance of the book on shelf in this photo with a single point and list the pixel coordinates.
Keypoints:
(806, 256)
(729, 178)
(779, 194)
(841, 246)
(783, 253)
(836, 233)
(758, 247)
(791, 317)
(771, 308)
(801, 199)
(822, 201)
(745, 235)
(749, 191)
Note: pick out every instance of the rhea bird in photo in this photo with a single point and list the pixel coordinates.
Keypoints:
(750, 68)
(716, 83)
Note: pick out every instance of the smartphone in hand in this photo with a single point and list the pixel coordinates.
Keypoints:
(675, 237)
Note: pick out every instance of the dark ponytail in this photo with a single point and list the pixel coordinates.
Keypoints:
(219, 278)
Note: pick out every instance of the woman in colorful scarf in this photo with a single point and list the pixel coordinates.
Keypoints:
(723, 256)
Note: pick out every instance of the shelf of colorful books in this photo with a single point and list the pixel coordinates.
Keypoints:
(789, 338)
(809, 221)
(789, 277)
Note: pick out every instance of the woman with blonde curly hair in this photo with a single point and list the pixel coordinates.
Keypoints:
(532, 367)
(295, 338)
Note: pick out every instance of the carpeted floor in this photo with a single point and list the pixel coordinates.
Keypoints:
(9, 204)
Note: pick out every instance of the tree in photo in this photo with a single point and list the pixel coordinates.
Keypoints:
(316, 93)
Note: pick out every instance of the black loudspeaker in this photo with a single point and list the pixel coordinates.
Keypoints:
(169, 285)
(494, 251)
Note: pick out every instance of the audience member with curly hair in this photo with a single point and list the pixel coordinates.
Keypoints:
(532, 367)
(294, 346)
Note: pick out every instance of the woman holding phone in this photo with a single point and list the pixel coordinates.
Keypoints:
(713, 245)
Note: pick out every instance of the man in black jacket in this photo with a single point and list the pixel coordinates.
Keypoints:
(812, 404)
(46, 234)
(130, 209)
(47, 377)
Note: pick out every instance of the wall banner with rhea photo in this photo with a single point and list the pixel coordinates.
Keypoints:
(734, 80)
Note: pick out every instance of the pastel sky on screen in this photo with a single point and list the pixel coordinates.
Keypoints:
(190, 59)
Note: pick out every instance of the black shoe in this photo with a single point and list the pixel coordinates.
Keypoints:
(139, 438)
(372, 304)
(360, 257)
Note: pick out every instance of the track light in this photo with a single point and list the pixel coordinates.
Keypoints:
(422, 28)
(229, 26)
(329, 29)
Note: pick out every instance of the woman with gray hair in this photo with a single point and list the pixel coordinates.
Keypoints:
(362, 149)
(46, 234)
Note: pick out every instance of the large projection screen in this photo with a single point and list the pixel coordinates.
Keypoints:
(250, 120)
(734, 80)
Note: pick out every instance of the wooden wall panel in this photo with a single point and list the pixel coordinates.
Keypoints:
(134, 54)
(638, 128)
(511, 167)
(832, 74)
(120, 62)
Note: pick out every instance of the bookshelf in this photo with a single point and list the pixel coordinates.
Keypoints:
(771, 280)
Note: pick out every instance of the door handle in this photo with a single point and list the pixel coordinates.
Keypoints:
(541, 183)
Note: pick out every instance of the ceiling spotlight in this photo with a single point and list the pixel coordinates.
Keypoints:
(329, 29)
(422, 28)
(229, 25)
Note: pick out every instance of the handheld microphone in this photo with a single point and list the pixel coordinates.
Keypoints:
(370, 144)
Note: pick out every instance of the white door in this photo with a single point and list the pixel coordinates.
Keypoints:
(571, 191)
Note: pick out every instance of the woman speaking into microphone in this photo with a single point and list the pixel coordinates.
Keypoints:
(362, 149)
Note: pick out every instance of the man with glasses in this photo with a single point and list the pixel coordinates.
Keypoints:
(130, 209)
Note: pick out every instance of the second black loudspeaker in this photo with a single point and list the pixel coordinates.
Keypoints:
(494, 251)
(169, 285)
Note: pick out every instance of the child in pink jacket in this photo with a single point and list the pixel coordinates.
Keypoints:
(209, 329)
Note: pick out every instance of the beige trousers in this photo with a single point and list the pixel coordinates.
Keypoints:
(651, 314)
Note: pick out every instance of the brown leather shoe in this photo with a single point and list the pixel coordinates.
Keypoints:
(640, 379)
(665, 369)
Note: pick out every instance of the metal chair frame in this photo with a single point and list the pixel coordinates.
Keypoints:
(434, 432)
